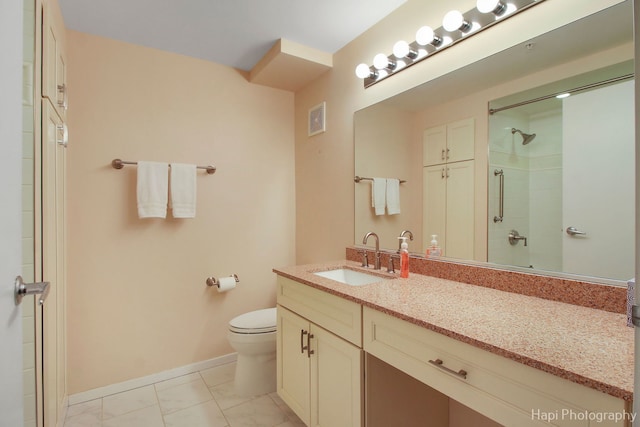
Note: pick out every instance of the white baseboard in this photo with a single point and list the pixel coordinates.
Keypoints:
(100, 392)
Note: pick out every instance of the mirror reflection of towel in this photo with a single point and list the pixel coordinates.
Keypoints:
(378, 195)
(393, 196)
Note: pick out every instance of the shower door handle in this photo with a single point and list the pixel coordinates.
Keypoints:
(500, 216)
(572, 231)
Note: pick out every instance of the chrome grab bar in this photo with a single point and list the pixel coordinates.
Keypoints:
(500, 216)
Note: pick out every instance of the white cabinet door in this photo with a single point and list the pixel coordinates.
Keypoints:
(320, 375)
(448, 208)
(459, 232)
(460, 140)
(434, 205)
(336, 381)
(434, 146)
(453, 142)
(293, 363)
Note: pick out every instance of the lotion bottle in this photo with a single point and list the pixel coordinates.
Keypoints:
(404, 258)
(434, 250)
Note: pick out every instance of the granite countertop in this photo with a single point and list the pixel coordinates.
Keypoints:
(584, 345)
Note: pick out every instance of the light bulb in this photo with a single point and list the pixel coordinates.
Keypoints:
(380, 61)
(424, 35)
(363, 71)
(454, 20)
(401, 49)
(491, 6)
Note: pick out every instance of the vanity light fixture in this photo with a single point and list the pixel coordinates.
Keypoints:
(454, 21)
(363, 71)
(383, 62)
(402, 50)
(457, 26)
(492, 6)
(426, 36)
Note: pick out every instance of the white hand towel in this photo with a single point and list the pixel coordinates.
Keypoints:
(183, 190)
(378, 190)
(393, 196)
(152, 189)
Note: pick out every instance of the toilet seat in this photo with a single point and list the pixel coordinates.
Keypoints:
(255, 322)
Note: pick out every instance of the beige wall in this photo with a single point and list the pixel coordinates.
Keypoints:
(325, 163)
(385, 147)
(137, 299)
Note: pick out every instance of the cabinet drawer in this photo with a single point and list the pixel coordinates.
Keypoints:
(338, 315)
(508, 392)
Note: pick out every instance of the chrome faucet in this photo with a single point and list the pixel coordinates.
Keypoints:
(402, 235)
(364, 241)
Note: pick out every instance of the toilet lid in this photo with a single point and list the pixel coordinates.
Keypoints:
(254, 322)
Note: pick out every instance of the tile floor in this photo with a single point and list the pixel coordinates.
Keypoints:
(201, 399)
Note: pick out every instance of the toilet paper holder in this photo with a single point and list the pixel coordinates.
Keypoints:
(212, 281)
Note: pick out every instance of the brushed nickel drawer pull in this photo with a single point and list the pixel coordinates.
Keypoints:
(440, 364)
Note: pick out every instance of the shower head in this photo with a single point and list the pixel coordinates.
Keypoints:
(526, 138)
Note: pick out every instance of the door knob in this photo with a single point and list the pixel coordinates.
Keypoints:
(38, 288)
(572, 231)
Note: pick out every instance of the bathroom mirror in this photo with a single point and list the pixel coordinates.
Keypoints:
(389, 137)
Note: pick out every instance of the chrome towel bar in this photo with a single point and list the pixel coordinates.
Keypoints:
(361, 178)
(119, 164)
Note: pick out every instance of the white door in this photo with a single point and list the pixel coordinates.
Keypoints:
(11, 396)
(599, 175)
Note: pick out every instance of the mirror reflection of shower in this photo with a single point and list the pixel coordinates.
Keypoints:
(551, 185)
(526, 138)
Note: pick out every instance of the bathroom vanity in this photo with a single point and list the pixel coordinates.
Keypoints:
(515, 359)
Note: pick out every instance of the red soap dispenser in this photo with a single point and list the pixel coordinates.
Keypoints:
(404, 258)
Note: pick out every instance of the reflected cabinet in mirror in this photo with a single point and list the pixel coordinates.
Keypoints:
(503, 166)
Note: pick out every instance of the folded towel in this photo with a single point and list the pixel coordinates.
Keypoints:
(393, 196)
(152, 189)
(183, 190)
(378, 190)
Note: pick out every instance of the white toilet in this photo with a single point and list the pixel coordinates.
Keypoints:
(253, 336)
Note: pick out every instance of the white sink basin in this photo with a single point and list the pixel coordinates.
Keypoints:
(349, 277)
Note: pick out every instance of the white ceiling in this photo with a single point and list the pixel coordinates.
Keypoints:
(236, 33)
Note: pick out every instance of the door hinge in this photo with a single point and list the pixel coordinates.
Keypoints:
(635, 315)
